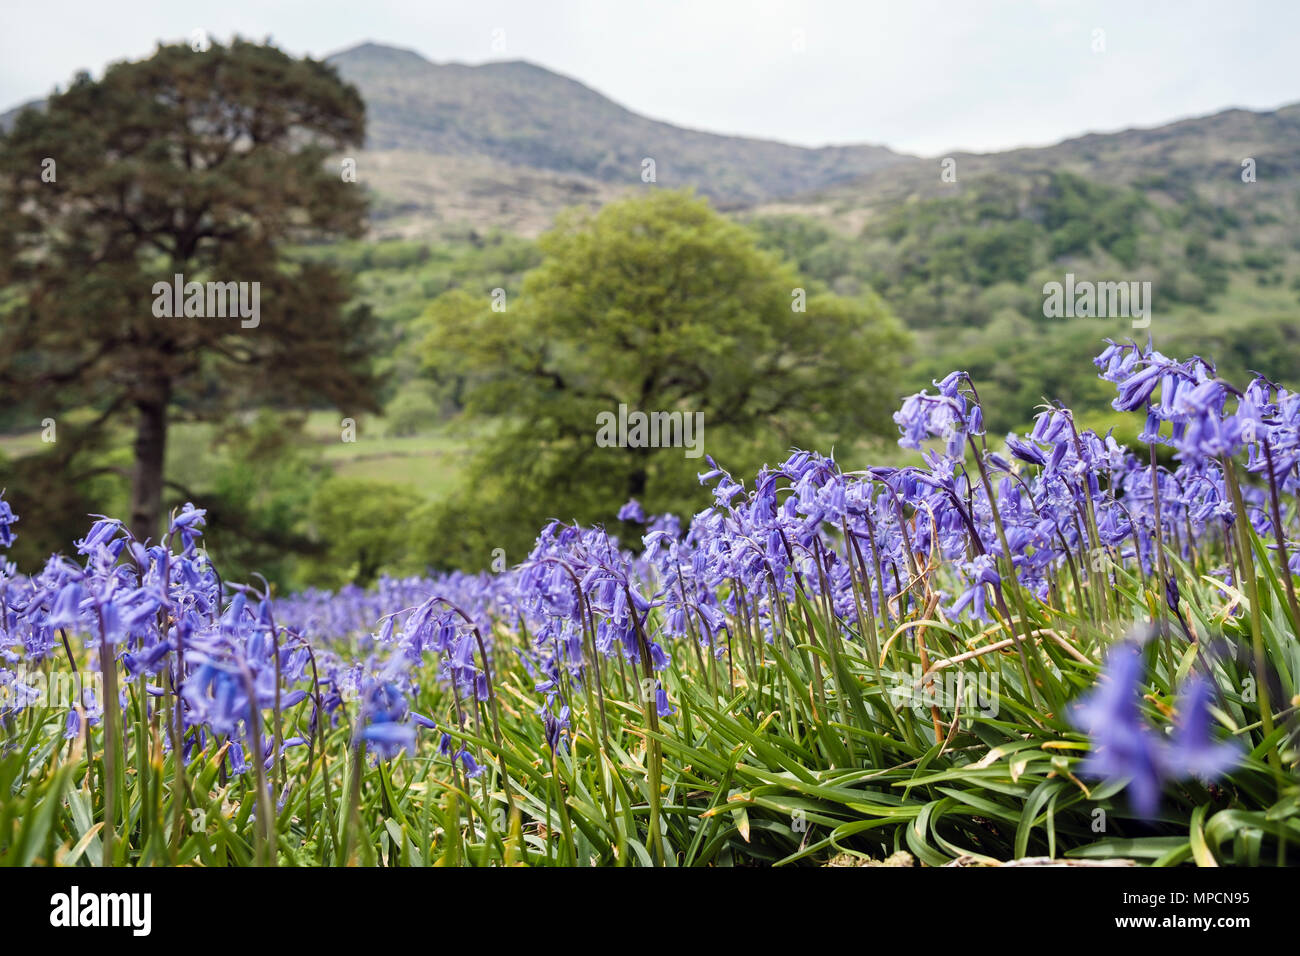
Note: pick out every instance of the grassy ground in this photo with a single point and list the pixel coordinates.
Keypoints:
(792, 752)
(429, 462)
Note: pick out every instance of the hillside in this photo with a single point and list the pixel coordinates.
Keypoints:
(459, 154)
(1177, 158)
(523, 115)
(964, 263)
(509, 144)
(8, 116)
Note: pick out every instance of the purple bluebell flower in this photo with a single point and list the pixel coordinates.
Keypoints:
(1193, 752)
(238, 764)
(66, 611)
(556, 725)
(388, 739)
(663, 706)
(632, 511)
(1123, 744)
(1126, 746)
(472, 769)
(7, 520)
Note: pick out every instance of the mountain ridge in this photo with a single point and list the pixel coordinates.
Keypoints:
(510, 143)
(523, 114)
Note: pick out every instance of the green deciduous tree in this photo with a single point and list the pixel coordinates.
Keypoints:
(662, 305)
(201, 164)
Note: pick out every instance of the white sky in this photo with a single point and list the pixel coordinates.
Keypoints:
(924, 77)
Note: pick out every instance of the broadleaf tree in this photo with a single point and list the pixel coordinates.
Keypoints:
(661, 304)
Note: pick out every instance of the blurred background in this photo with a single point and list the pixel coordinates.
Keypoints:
(474, 231)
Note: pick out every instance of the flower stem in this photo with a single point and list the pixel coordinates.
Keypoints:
(1241, 524)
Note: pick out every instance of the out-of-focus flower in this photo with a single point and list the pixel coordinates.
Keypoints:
(1123, 744)
(1126, 746)
(632, 511)
(1194, 752)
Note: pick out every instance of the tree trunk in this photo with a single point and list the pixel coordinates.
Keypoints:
(150, 449)
(636, 481)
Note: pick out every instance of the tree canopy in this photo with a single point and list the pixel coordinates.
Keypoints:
(193, 164)
(659, 304)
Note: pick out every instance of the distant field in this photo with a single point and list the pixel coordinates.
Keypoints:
(428, 462)
(20, 444)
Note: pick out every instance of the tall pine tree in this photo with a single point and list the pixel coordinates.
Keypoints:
(203, 164)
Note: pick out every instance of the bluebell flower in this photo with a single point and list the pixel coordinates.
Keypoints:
(632, 511)
(100, 534)
(472, 769)
(269, 760)
(389, 739)
(556, 726)
(1123, 744)
(236, 754)
(7, 520)
(1025, 451)
(981, 573)
(1193, 752)
(66, 611)
(187, 523)
(662, 704)
(1171, 592)
(1135, 390)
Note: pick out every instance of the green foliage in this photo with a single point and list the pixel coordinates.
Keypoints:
(662, 305)
(395, 279)
(363, 527)
(750, 769)
(413, 410)
(257, 483)
(213, 160)
(1002, 229)
(54, 509)
(965, 270)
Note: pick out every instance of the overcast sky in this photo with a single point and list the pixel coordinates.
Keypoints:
(920, 77)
